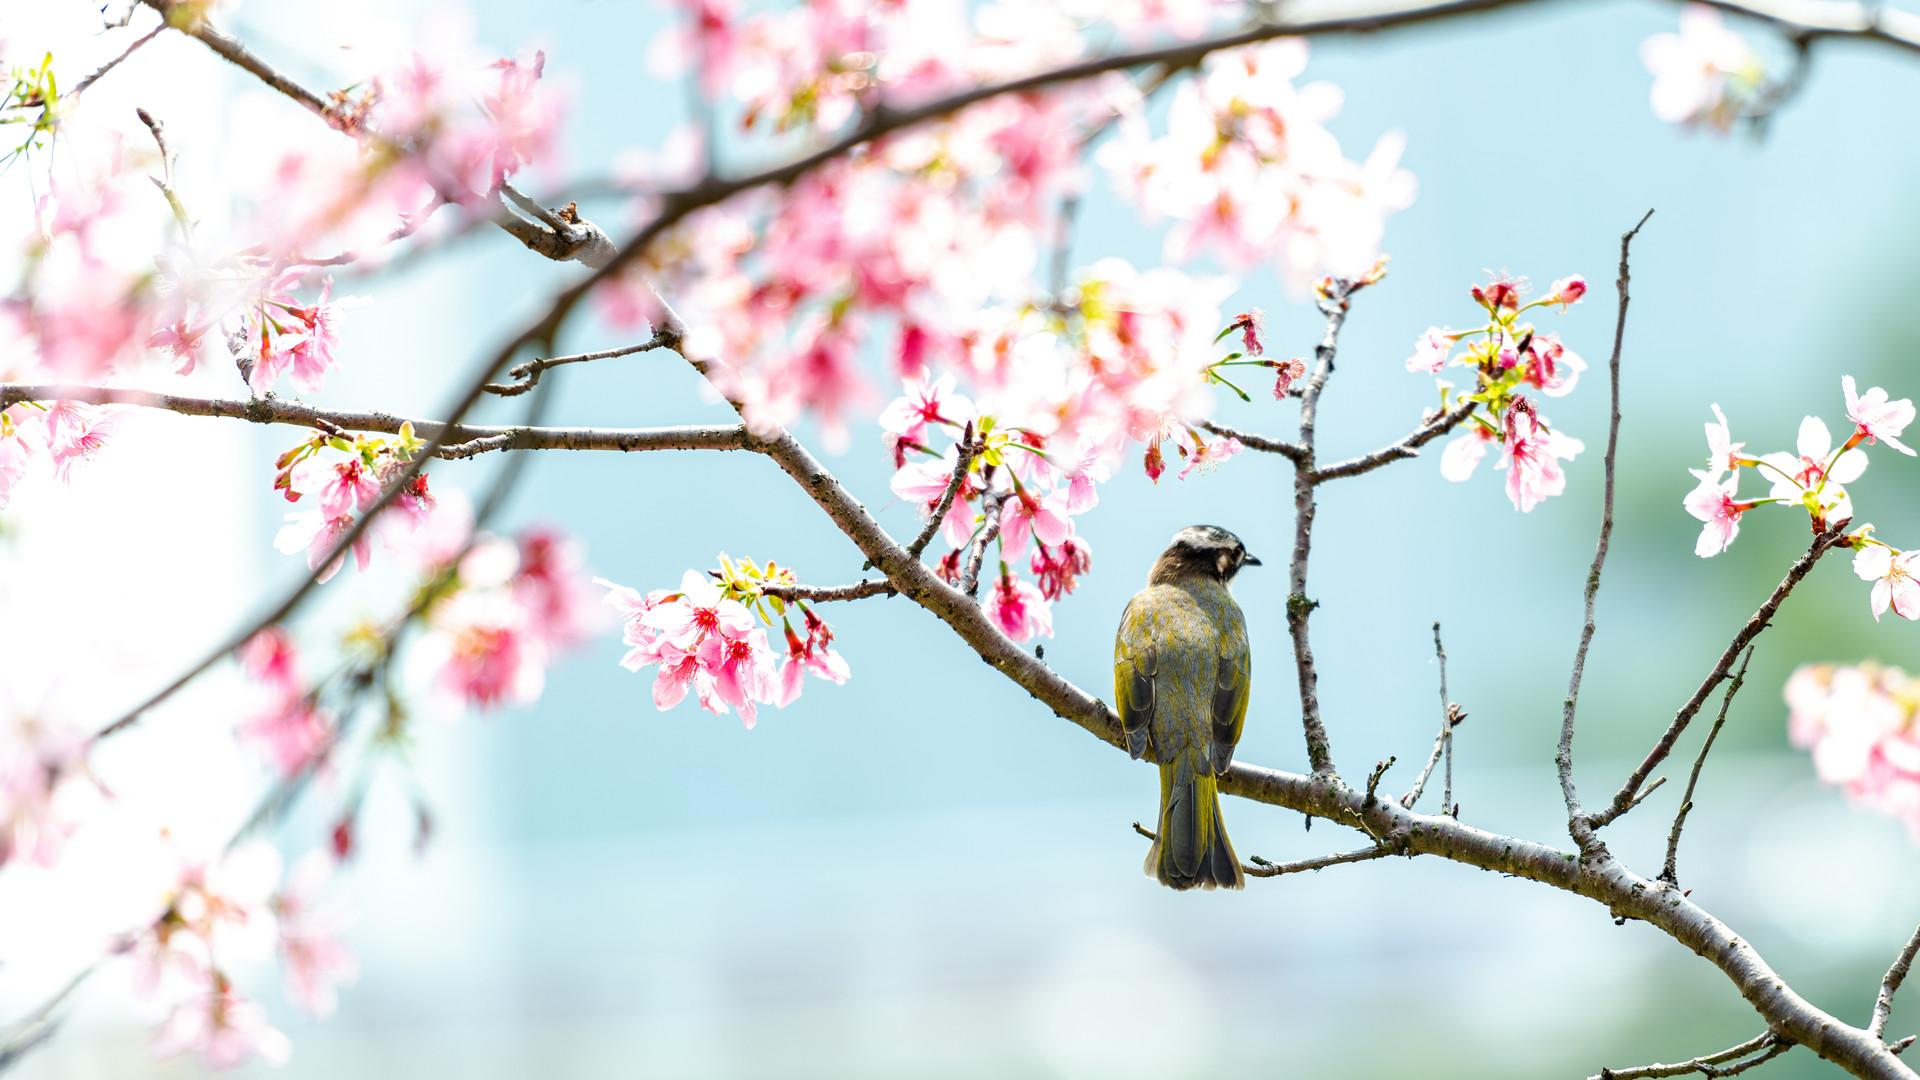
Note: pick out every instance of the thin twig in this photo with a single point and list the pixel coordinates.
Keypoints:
(1408, 447)
(1890, 985)
(1450, 716)
(817, 594)
(527, 375)
(1724, 1063)
(989, 529)
(1259, 867)
(1581, 831)
(1668, 872)
(1624, 799)
(102, 70)
(966, 450)
(1293, 452)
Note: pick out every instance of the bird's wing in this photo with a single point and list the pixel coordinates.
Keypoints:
(1231, 685)
(1135, 663)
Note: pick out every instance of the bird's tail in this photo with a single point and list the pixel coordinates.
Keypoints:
(1192, 848)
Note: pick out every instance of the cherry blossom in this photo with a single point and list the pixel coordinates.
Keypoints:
(76, 432)
(1705, 75)
(1713, 503)
(1531, 455)
(1878, 419)
(485, 653)
(317, 963)
(1813, 474)
(1018, 608)
(224, 1028)
(317, 535)
(1892, 573)
(287, 724)
(1858, 722)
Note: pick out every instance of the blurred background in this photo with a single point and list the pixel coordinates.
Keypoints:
(922, 873)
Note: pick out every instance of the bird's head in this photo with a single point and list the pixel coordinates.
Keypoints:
(1204, 551)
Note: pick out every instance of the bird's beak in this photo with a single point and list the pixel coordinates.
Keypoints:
(1250, 560)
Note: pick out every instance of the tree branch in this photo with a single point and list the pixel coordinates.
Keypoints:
(1408, 447)
(965, 451)
(1624, 799)
(1293, 452)
(1890, 985)
(1581, 831)
(463, 440)
(1450, 717)
(528, 374)
(814, 594)
(1334, 306)
(1668, 872)
(1767, 1046)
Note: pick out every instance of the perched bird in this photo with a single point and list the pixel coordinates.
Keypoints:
(1180, 676)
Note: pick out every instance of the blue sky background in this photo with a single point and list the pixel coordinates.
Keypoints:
(922, 873)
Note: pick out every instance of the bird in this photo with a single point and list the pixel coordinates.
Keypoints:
(1181, 674)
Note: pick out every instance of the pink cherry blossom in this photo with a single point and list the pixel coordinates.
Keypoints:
(1713, 503)
(317, 962)
(1532, 456)
(485, 653)
(1024, 517)
(1567, 291)
(1285, 374)
(1430, 351)
(1552, 366)
(1723, 454)
(699, 611)
(1805, 474)
(1878, 419)
(742, 670)
(1859, 724)
(1058, 568)
(1892, 573)
(76, 432)
(287, 724)
(1465, 452)
(350, 488)
(224, 1028)
(1705, 75)
(1018, 608)
(317, 535)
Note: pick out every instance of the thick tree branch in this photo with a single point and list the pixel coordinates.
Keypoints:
(1581, 831)
(1625, 799)
(1668, 871)
(1408, 447)
(464, 440)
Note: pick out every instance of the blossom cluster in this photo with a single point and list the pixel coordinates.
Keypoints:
(344, 486)
(1508, 357)
(708, 637)
(114, 274)
(225, 908)
(1813, 478)
(54, 435)
(1248, 171)
(1858, 721)
(1706, 75)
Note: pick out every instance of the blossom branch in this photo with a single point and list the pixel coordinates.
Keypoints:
(1890, 985)
(1581, 831)
(1259, 867)
(1408, 447)
(989, 529)
(1334, 306)
(1624, 799)
(1724, 1063)
(462, 440)
(1625, 895)
(1668, 872)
